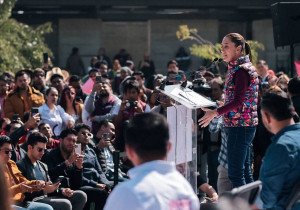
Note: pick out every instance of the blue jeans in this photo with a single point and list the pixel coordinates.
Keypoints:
(239, 147)
(34, 206)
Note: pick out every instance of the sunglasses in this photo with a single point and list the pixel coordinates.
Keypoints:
(7, 151)
(41, 149)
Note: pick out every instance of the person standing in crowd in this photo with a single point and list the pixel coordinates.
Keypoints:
(55, 115)
(240, 108)
(4, 87)
(280, 170)
(39, 80)
(155, 183)
(57, 81)
(145, 92)
(263, 71)
(183, 59)
(23, 97)
(74, 63)
(101, 55)
(147, 67)
(294, 93)
(130, 106)
(101, 103)
(75, 82)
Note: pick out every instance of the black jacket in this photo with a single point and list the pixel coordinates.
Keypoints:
(26, 167)
(57, 167)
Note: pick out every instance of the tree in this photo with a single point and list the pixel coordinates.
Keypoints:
(21, 46)
(207, 50)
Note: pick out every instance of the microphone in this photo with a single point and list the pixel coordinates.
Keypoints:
(184, 84)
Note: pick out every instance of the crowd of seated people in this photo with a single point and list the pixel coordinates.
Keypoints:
(44, 119)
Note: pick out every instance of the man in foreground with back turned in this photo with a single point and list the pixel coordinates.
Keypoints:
(155, 184)
(280, 170)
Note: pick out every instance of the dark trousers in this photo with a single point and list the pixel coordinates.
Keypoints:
(239, 147)
(96, 196)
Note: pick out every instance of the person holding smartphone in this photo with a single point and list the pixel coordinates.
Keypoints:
(95, 184)
(18, 185)
(101, 103)
(63, 198)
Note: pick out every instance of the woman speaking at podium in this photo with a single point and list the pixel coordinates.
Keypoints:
(240, 108)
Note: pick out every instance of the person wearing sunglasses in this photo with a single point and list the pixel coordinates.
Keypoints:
(18, 185)
(60, 198)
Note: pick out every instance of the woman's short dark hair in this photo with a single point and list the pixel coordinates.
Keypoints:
(148, 135)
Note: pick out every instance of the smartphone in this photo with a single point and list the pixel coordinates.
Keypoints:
(59, 179)
(78, 149)
(34, 110)
(98, 79)
(15, 117)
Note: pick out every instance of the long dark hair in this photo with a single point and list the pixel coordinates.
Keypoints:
(63, 100)
(239, 40)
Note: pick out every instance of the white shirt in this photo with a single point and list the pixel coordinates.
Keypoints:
(153, 185)
(54, 117)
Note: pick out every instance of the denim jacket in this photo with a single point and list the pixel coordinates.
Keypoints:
(92, 171)
(280, 170)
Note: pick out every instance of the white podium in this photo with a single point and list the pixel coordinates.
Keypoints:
(182, 120)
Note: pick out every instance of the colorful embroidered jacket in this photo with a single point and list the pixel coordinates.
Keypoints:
(245, 115)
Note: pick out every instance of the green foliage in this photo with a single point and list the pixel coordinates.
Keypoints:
(205, 49)
(21, 46)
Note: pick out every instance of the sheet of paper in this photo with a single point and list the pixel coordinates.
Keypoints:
(180, 125)
(187, 97)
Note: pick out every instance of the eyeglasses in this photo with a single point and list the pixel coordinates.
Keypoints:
(7, 151)
(41, 149)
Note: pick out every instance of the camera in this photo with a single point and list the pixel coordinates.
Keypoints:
(175, 78)
(200, 85)
(98, 79)
(16, 117)
(130, 104)
(265, 85)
